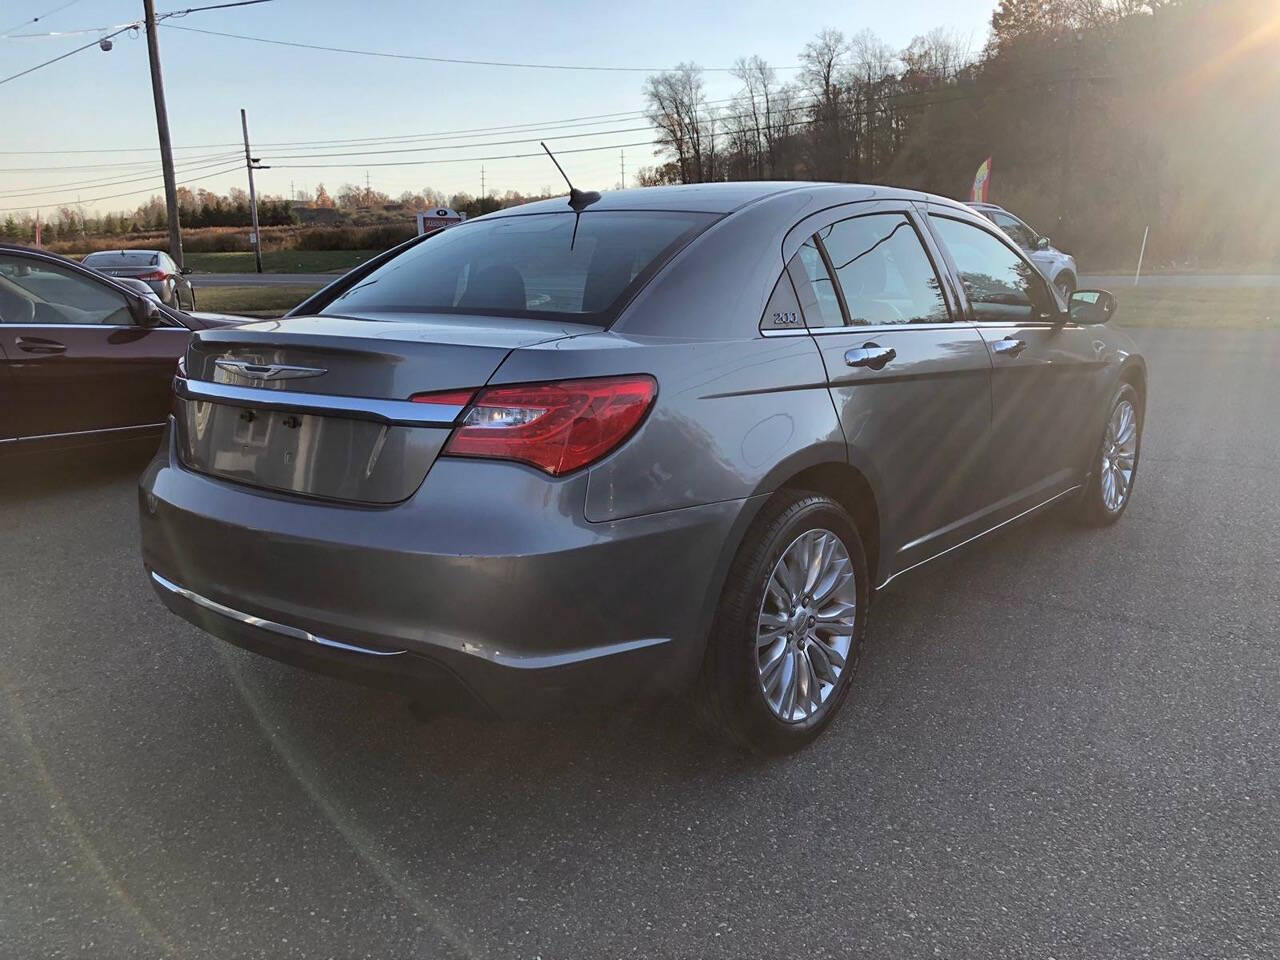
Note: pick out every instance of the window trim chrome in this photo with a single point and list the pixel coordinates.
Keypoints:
(394, 412)
(869, 328)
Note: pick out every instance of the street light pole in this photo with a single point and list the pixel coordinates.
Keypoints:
(162, 128)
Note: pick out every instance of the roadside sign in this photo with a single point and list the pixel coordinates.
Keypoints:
(440, 217)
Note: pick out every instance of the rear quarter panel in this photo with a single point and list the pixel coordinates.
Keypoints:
(732, 418)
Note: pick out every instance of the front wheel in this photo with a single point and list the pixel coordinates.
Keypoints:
(788, 633)
(1066, 283)
(1115, 465)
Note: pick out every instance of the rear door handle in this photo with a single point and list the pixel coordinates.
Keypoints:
(1009, 347)
(869, 355)
(40, 345)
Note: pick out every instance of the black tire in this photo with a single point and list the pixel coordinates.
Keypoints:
(1065, 282)
(1091, 509)
(192, 304)
(730, 686)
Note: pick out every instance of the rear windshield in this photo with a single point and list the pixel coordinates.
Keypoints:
(528, 265)
(123, 258)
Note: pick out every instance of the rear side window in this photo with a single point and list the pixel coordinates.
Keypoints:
(883, 270)
(553, 265)
(1018, 231)
(814, 284)
(1001, 285)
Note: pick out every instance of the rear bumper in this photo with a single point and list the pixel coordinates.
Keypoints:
(488, 578)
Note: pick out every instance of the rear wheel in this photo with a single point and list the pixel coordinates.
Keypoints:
(1115, 464)
(788, 634)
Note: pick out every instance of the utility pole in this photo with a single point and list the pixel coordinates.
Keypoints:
(622, 167)
(368, 191)
(251, 164)
(162, 128)
(482, 181)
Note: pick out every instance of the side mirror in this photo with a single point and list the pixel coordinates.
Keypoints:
(1090, 307)
(184, 270)
(145, 312)
(1042, 243)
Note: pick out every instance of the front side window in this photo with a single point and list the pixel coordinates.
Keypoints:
(1001, 285)
(32, 291)
(883, 270)
(554, 265)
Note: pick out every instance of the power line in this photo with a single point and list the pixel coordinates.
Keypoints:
(129, 193)
(134, 164)
(216, 6)
(564, 123)
(453, 60)
(37, 19)
(455, 146)
(69, 53)
(107, 182)
(414, 163)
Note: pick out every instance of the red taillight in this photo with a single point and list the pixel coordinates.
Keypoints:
(447, 398)
(153, 275)
(556, 427)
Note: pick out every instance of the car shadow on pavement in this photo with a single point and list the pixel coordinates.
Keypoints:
(48, 475)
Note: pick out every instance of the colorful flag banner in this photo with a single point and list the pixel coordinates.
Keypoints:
(981, 181)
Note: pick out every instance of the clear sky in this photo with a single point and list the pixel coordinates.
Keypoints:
(100, 102)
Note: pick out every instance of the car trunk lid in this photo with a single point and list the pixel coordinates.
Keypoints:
(320, 406)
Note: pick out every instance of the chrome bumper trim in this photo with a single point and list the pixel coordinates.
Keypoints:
(294, 633)
(400, 412)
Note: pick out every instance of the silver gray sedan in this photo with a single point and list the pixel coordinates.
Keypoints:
(657, 440)
(155, 268)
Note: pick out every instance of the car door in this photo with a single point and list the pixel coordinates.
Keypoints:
(911, 386)
(75, 359)
(8, 411)
(1044, 368)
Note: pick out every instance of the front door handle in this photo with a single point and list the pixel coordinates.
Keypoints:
(1009, 347)
(869, 355)
(40, 345)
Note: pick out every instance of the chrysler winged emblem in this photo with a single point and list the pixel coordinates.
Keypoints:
(267, 371)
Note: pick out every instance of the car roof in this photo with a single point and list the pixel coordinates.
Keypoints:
(712, 197)
(119, 250)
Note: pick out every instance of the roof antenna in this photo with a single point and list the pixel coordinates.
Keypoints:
(579, 200)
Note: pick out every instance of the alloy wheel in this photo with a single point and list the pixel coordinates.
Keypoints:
(1119, 456)
(805, 628)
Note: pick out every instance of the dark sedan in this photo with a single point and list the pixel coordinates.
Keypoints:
(83, 359)
(153, 267)
(660, 438)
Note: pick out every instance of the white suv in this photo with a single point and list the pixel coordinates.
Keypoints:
(1059, 267)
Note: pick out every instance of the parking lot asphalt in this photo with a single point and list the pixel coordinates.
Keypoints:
(1062, 743)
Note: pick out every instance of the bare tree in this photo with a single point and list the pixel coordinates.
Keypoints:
(677, 106)
(822, 74)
